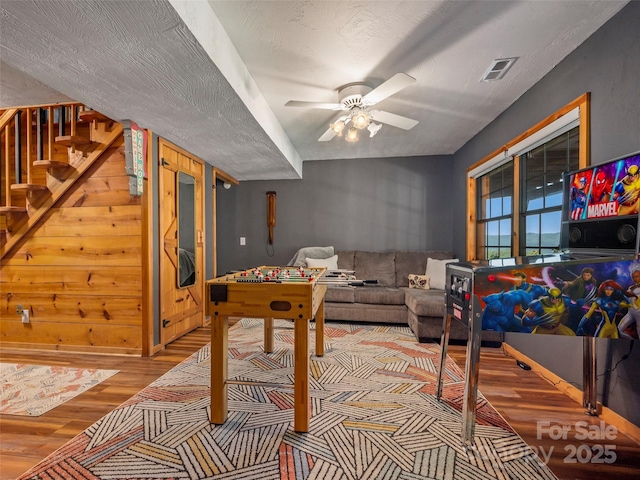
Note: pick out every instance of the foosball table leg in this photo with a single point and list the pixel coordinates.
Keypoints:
(219, 371)
(268, 335)
(320, 330)
(301, 376)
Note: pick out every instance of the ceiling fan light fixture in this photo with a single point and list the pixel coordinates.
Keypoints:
(352, 135)
(361, 119)
(337, 127)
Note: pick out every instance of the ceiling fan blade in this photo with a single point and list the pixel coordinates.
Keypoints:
(328, 135)
(394, 120)
(388, 88)
(324, 106)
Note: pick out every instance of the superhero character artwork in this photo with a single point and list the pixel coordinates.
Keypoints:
(608, 303)
(602, 191)
(579, 198)
(608, 190)
(499, 313)
(549, 315)
(598, 298)
(627, 191)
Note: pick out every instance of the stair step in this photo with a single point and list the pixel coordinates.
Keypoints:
(13, 209)
(28, 187)
(91, 115)
(51, 164)
(72, 141)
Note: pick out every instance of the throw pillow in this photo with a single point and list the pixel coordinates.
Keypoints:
(418, 281)
(437, 272)
(330, 263)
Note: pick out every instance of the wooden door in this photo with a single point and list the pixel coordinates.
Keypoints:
(181, 242)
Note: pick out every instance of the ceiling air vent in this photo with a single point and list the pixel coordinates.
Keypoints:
(498, 69)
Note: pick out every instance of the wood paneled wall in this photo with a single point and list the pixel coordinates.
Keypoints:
(79, 273)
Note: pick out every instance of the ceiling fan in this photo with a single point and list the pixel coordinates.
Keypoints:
(357, 99)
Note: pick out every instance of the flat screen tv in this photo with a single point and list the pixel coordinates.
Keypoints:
(600, 206)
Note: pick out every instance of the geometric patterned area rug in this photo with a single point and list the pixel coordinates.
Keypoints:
(374, 416)
(32, 390)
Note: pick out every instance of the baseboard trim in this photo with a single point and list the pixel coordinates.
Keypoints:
(622, 424)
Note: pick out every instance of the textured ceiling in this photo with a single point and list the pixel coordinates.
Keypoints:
(213, 76)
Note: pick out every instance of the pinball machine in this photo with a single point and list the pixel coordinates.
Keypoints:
(591, 289)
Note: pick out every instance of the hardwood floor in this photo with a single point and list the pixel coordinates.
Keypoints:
(537, 410)
(24, 441)
(522, 397)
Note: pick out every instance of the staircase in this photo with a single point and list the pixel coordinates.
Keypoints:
(43, 151)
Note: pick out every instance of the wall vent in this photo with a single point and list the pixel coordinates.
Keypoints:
(498, 69)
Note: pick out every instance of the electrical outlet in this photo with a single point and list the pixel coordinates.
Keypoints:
(25, 316)
(243, 241)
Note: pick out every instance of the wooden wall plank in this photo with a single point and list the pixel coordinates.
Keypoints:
(122, 336)
(71, 279)
(101, 192)
(92, 221)
(96, 309)
(104, 250)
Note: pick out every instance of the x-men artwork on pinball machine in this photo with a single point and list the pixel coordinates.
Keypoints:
(597, 297)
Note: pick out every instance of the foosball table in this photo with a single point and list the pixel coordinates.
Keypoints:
(266, 292)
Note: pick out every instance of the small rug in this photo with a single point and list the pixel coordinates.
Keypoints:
(374, 416)
(32, 390)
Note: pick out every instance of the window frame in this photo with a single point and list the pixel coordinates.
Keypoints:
(518, 145)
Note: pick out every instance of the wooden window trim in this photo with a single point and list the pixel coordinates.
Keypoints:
(583, 104)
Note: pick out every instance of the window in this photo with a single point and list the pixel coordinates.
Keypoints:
(515, 194)
(542, 170)
(495, 210)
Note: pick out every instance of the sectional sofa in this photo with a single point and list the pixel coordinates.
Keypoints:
(392, 300)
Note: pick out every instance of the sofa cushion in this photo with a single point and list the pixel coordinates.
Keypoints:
(378, 295)
(437, 272)
(346, 259)
(339, 295)
(419, 281)
(425, 303)
(330, 263)
(300, 258)
(379, 266)
(361, 312)
(408, 263)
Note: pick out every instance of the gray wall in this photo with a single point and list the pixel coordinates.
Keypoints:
(370, 204)
(608, 66)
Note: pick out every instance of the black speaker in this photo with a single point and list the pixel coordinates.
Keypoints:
(615, 233)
